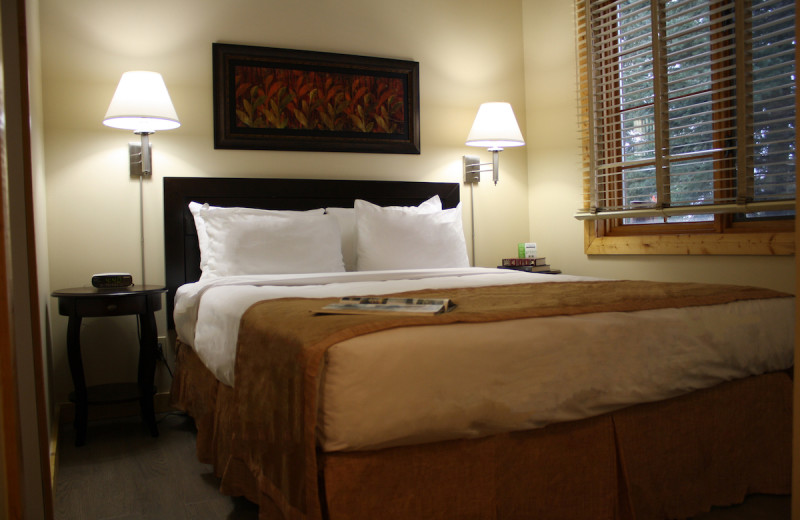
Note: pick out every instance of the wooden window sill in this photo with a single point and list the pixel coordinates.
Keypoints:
(777, 243)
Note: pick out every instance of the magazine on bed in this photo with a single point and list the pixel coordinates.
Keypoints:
(380, 305)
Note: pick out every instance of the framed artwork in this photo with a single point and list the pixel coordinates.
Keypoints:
(280, 99)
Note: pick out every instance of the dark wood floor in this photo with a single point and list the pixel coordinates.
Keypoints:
(123, 473)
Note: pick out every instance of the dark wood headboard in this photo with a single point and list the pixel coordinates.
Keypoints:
(182, 254)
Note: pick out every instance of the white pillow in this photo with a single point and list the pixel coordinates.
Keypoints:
(396, 238)
(236, 241)
(346, 217)
(232, 213)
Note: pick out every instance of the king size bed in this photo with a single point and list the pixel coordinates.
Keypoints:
(538, 396)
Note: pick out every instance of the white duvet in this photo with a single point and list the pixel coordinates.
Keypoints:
(422, 384)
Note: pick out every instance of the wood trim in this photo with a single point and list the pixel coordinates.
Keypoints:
(744, 88)
(9, 415)
(29, 481)
(796, 411)
(766, 244)
(32, 269)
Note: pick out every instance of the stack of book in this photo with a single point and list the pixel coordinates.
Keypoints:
(531, 265)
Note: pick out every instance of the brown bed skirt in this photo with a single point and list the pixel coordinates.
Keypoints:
(670, 459)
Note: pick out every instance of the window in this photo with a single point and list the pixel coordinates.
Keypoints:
(688, 117)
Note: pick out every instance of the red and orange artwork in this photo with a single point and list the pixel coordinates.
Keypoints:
(307, 100)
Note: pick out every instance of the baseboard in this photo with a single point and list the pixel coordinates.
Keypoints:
(54, 429)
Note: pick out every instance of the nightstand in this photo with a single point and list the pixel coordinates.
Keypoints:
(85, 302)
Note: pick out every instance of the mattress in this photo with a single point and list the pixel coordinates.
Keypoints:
(401, 386)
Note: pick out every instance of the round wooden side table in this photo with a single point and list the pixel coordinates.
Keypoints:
(83, 302)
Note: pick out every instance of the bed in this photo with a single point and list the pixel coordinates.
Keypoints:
(527, 401)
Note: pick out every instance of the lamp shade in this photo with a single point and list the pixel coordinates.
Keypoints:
(495, 127)
(141, 103)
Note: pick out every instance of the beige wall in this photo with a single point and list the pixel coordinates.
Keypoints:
(469, 52)
(554, 177)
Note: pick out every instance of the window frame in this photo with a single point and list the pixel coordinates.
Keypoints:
(722, 235)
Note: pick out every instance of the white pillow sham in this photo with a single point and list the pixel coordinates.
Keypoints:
(236, 241)
(397, 238)
(346, 217)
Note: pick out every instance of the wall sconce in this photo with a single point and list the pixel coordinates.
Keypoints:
(495, 128)
(141, 103)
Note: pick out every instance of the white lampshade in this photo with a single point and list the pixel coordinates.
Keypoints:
(141, 103)
(495, 127)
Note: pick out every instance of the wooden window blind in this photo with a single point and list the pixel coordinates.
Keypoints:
(687, 109)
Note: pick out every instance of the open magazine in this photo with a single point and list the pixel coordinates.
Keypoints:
(380, 305)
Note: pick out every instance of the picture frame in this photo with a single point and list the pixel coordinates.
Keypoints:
(268, 98)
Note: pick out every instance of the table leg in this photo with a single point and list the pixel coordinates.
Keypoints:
(78, 379)
(148, 347)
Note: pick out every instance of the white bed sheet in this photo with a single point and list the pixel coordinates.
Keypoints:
(207, 313)
(423, 384)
